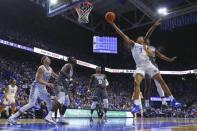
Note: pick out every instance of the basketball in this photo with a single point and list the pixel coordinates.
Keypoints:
(110, 16)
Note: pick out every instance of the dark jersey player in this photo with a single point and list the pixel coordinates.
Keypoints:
(156, 53)
(99, 82)
(65, 78)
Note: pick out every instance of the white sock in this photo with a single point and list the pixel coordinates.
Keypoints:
(171, 98)
(17, 114)
(61, 116)
(163, 100)
(50, 113)
(147, 103)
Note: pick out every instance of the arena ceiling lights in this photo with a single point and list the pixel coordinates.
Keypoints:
(145, 12)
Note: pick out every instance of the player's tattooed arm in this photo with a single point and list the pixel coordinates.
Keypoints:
(152, 29)
(39, 77)
(124, 36)
(163, 57)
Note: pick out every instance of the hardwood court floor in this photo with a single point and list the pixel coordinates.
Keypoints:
(146, 124)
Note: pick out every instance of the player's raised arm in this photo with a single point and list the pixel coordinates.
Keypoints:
(110, 18)
(124, 36)
(152, 28)
(163, 57)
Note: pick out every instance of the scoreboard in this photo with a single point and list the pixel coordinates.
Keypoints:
(105, 44)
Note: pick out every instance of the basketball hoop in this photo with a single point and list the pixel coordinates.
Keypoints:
(83, 11)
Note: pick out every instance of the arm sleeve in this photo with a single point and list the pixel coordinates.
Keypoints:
(106, 81)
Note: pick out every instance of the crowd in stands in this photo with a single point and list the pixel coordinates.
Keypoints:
(24, 73)
(119, 91)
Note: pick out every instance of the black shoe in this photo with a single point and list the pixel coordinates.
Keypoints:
(91, 119)
(105, 118)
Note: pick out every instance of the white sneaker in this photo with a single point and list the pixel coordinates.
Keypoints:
(49, 119)
(11, 121)
(62, 121)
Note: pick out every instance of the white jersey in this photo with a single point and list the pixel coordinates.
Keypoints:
(12, 91)
(139, 55)
(47, 73)
(39, 90)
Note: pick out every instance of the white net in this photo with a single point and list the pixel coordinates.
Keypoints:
(83, 11)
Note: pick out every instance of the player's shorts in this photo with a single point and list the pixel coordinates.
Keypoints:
(62, 98)
(61, 87)
(100, 94)
(38, 91)
(148, 69)
(11, 100)
(5, 102)
(147, 77)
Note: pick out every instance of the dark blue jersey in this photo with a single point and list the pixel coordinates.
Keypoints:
(99, 80)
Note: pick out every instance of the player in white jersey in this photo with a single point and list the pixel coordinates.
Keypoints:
(141, 53)
(10, 94)
(38, 90)
(156, 53)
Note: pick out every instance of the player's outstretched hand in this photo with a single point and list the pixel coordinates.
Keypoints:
(110, 22)
(158, 22)
(172, 59)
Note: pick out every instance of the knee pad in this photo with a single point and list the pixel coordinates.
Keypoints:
(62, 109)
(67, 101)
(49, 104)
(55, 105)
(61, 97)
(106, 103)
(94, 103)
